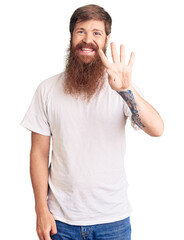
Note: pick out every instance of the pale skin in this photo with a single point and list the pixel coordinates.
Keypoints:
(120, 77)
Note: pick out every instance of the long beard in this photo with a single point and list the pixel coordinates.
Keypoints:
(84, 75)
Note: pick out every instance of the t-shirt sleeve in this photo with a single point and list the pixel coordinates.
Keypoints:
(128, 112)
(36, 118)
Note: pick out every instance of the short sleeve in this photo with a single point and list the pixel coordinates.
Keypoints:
(128, 112)
(36, 119)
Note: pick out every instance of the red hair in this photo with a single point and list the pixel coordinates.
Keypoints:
(90, 12)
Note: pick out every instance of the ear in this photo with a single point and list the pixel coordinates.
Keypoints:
(107, 40)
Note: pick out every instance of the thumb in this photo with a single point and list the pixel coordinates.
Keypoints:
(53, 228)
(110, 73)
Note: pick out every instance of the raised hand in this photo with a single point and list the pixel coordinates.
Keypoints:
(119, 74)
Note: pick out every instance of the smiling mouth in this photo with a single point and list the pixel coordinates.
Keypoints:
(87, 51)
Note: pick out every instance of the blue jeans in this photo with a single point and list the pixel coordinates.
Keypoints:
(119, 230)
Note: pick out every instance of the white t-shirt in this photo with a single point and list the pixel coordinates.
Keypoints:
(87, 181)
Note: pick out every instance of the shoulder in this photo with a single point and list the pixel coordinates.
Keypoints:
(46, 86)
(51, 81)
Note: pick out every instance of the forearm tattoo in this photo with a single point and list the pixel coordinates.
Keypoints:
(129, 99)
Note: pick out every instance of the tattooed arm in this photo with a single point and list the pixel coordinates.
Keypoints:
(129, 99)
(143, 114)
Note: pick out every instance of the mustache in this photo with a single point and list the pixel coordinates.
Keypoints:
(86, 45)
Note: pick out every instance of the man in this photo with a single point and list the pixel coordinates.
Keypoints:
(83, 193)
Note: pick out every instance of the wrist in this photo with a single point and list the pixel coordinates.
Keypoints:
(124, 89)
(39, 208)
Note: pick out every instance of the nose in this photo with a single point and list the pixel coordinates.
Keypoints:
(87, 38)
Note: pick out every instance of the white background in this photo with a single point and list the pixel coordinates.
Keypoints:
(34, 38)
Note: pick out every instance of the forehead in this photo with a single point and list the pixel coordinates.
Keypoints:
(90, 25)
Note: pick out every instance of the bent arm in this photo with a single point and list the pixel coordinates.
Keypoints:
(39, 160)
(143, 114)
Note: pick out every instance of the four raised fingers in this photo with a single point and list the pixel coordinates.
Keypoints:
(115, 57)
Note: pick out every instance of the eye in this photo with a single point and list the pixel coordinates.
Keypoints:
(97, 33)
(80, 32)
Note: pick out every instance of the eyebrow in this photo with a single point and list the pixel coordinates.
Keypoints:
(98, 30)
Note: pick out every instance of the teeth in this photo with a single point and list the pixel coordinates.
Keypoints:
(87, 50)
